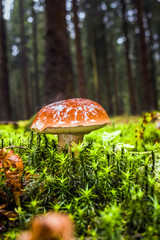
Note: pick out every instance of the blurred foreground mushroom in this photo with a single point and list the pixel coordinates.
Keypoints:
(70, 119)
(13, 169)
(52, 226)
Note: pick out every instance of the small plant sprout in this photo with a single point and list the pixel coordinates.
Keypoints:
(70, 119)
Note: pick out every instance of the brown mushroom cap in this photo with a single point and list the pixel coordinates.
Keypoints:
(72, 116)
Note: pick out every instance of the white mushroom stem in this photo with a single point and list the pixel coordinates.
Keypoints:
(68, 139)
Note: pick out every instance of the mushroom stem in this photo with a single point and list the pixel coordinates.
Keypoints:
(68, 139)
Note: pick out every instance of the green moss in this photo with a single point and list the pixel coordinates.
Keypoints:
(111, 188)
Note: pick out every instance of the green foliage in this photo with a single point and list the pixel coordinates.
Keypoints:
(111, 187)
(111, 222)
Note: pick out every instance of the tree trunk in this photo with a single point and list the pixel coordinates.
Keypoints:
(24, 65)
(118, 108)
(132, 95)
(95, 68)
(152, 61)
(115, 83)
(5, 108)
(146, 76)
(35, 58)
(59, 77)
(153, 74)
(137, 73)
(80, 67)
(107, 77)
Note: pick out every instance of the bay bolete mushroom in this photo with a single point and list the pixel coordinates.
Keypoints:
(70, 119)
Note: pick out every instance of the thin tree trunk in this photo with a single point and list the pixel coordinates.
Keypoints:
(158, 68)
(115, 82)
(108, 87)
(132, 95)
(59, 77)
(146, 76)
(107, 77)
(137, 73)
(24, 65)
(5, 108)
(153, 66)
(115, 79)
(95, 69)
(80, 67)
(35, 57)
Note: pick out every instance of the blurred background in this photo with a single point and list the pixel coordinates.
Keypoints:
(104, 50)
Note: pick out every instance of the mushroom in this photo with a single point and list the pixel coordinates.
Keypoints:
(13, 169)
(70, 119)
(50, 226)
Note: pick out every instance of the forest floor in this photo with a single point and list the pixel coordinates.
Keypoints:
(125, 119)
(111, 188)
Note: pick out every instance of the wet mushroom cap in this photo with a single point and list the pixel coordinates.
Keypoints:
(72, 116)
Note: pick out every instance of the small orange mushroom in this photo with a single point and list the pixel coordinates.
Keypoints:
(13, 169)
(53, 226)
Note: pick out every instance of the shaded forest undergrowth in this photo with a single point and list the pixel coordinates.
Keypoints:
(111, 188)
